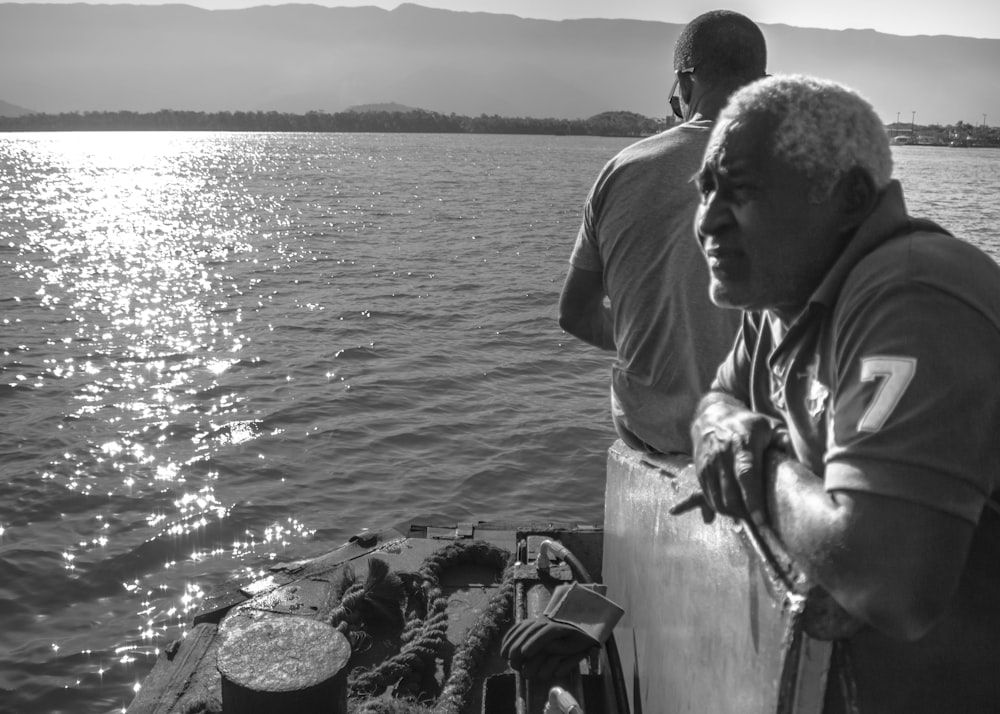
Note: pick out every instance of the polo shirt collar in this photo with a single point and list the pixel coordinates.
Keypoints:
(887, 220)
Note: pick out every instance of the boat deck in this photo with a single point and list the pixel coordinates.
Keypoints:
(185, 677)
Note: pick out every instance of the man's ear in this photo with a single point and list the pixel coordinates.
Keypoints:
(858, 195)
(686, 86)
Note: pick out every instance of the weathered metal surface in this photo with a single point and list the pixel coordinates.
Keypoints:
(714, 612)
(222, 599)
(284, 664)
(184, 673)
(185, 676)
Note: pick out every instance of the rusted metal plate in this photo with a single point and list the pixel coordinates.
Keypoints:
(710, 622)
(184, 671)
(223, 598)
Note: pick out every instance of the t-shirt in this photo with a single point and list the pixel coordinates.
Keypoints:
(638, 231)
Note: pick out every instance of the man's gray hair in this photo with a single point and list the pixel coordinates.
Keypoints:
(818, 126)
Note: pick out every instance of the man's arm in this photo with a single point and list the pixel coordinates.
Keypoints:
(582, 311)
(894, 564)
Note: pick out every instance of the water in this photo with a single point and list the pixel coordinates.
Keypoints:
(224, 349)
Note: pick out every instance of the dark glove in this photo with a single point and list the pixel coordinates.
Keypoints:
(576, 620)
(541, 648)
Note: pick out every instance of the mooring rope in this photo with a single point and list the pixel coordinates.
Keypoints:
(413, 668)
(470, 655)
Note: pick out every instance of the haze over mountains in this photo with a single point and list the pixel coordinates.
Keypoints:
(297, 58)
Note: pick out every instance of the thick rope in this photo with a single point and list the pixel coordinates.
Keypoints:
(382, 593)
(470, 655)
(424, 639)
(420, 651)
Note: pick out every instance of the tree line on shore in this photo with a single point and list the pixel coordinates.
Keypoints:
(617, 123)
(614, 123)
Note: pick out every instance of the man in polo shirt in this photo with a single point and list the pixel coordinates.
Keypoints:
(857, 413)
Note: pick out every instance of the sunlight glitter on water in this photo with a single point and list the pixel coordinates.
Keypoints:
(128, 241)
(130, 255)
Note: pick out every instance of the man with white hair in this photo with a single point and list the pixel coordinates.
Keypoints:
(857, 413)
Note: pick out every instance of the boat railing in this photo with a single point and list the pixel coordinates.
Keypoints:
(718, 616)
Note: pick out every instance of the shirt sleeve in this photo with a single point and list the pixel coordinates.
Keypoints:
(915, 416)
(586, 253)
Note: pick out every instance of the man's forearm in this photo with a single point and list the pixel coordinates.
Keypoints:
(873, 554)
(595, 326)
(801, 513)
(582, 309)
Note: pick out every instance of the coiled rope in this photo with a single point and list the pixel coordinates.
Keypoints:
(411, 672)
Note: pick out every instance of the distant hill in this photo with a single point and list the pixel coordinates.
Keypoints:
(10, 110)
(384, 107)
(297, 58)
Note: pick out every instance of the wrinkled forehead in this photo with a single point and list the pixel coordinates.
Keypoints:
(736, 138)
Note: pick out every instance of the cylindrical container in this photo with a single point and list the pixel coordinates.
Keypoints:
(284, 664)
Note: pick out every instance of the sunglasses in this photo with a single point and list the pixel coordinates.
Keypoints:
(675, 100)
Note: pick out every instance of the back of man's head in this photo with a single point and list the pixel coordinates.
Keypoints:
(723, 47)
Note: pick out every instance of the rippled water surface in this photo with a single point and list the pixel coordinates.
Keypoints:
(223, 349)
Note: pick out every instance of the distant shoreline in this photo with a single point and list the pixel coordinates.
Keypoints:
(618, 123)
(613, 123)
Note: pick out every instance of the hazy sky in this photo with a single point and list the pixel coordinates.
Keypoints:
(965, 18)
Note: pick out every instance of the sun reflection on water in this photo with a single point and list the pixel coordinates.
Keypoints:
(118, 283)
(127, 237)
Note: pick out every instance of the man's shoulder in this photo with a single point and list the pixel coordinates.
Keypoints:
(926, 252)
(666, 159)
(927, 257)
(687, 137)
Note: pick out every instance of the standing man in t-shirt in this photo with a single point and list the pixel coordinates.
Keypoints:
(636, 247)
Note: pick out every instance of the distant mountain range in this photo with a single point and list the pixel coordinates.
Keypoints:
(10, 110)
(296, 58)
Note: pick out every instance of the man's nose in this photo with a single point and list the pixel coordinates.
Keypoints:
(712, 216)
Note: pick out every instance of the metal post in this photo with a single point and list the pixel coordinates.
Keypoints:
(284, 664)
